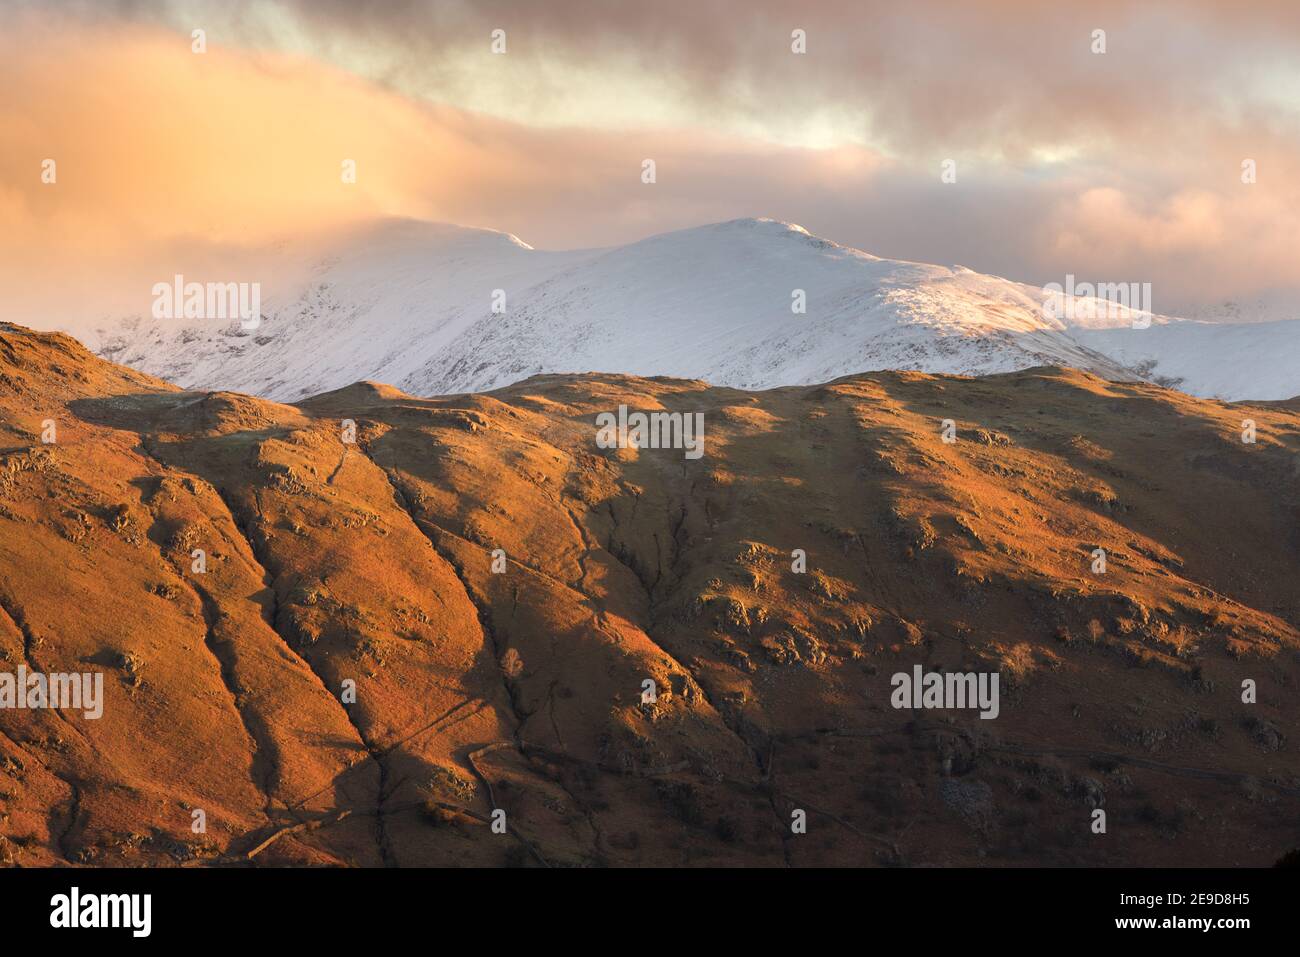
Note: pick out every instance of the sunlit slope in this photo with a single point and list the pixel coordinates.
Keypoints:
(457, 612)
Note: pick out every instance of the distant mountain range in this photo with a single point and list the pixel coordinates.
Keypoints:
(440, 309)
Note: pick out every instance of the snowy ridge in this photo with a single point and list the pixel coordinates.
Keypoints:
(410, 303)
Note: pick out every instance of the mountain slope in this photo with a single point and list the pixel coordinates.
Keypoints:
(411, 303)
(519, 687)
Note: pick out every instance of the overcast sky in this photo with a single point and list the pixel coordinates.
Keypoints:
(1116, 166)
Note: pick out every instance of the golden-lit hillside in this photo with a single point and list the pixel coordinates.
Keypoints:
(331, 564)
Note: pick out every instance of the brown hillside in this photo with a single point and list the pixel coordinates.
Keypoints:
(371, 562)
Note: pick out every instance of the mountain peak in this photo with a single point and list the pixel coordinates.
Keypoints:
(750, 303)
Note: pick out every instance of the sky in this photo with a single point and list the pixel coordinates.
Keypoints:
(1122, 165)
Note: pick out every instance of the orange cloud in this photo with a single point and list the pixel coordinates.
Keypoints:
(171, 161)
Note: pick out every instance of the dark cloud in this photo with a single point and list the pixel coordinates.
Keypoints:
(1007, 77)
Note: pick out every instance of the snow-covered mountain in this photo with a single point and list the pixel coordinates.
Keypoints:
(412, 304)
